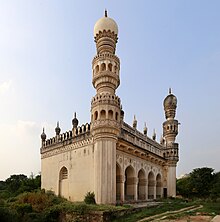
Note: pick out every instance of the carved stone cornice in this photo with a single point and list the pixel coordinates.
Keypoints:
(139, 152)
(104, 33)
(60, 148)
(106, 77)
(105, 99)
(106, 56)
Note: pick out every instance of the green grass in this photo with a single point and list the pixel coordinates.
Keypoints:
(166, 205)
(209, 208)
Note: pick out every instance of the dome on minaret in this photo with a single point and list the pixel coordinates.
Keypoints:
(170, 101)
(105, 23)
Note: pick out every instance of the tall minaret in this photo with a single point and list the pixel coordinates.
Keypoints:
(170, 131)
(105, 109)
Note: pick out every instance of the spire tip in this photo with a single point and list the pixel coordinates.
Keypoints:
(170, 91)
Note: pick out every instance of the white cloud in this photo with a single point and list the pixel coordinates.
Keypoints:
(5, 86)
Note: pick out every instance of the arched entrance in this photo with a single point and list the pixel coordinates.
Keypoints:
(63, 183)
(151, 185)
(158, 186)
(141, 185)
(129, 183)
(119, 182)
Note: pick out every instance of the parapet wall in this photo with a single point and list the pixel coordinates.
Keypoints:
(76, 134)
(138, 139)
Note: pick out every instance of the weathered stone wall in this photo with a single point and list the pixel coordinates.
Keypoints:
(80, 166)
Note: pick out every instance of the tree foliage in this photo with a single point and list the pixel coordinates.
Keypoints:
(17, 184)
(201, 183)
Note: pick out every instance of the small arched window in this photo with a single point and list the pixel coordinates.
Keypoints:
(63, 173)
(96, 115)
(97, 69)
(102, 114)
(110, 114)
(103, 67)
(110, 67)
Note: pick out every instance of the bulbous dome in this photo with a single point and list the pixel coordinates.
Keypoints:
(105, 23)
(170, 101)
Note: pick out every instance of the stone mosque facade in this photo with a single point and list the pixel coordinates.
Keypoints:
(108, 156)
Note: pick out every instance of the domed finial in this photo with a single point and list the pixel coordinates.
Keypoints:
(43, 136)
(170, 91)
(161, 140)
(106, 13)
(145, 128)
(57, 129)
(75, 121)
(135, 122)
(154, 135)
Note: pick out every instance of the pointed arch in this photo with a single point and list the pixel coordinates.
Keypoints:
(64, 182)
(151, 185)
(119, 178)
(141, 189)
(129, 183)
(158, 186)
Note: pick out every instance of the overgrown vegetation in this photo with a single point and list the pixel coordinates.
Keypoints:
(21, 199)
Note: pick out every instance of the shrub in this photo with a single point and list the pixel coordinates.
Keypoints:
(90, 198)
(52, 214)
(23, 208)
(8, 215)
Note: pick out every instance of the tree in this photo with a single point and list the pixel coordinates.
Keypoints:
(15, 182)
(183, 187)
(215, 190)
(200, 181)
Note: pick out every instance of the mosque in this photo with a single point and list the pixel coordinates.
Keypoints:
(108, 156)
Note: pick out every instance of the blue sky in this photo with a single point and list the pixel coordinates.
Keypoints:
(46, 49)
